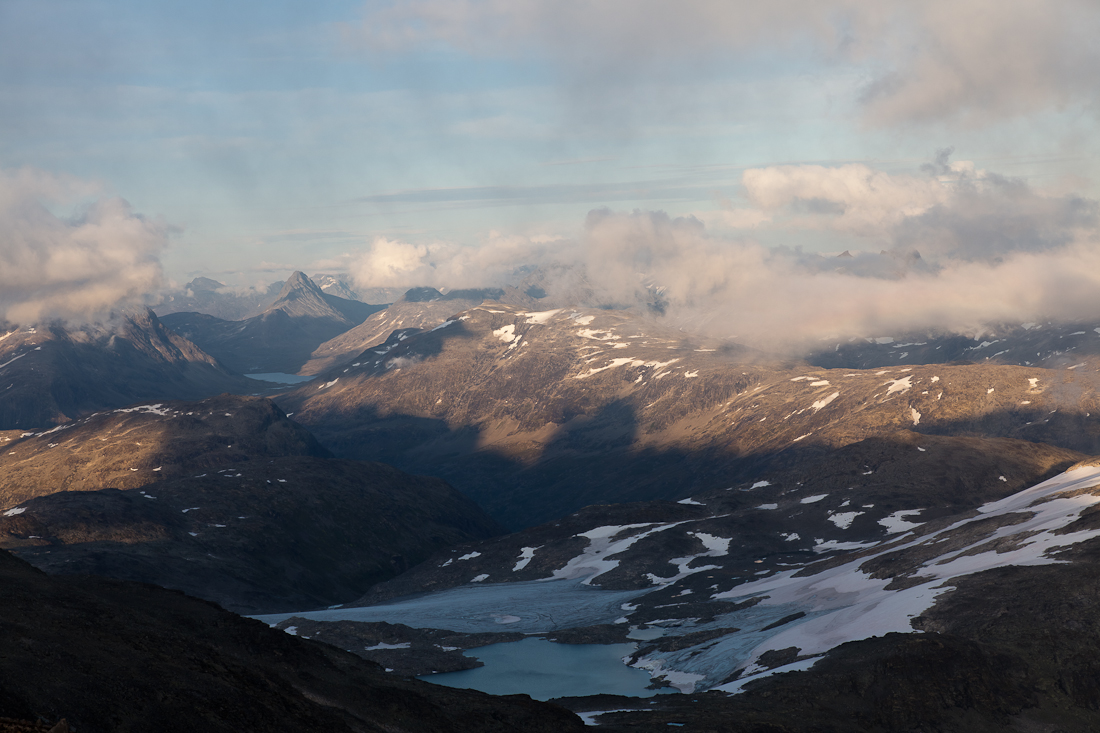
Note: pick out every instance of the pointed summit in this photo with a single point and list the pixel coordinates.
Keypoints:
(301, 298)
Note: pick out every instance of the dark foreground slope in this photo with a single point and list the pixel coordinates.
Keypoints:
(226, 499)
(116, 656)
(265, 536)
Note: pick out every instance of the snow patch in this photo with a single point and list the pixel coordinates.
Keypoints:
(525, 555)
(844, 519)
(897, 521)
(824, 401)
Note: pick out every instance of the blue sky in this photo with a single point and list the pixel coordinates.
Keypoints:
(278, 135)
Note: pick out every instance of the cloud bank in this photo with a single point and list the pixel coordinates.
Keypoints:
(72, 268)
(974, 61)
(948, 249)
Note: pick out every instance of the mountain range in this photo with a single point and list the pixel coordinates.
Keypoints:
(895, 533)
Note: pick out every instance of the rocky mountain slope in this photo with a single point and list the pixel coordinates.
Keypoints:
(53, 374)
(281, 338)
(418, 309)
(226, 499)
(115, 656)
(535, 415)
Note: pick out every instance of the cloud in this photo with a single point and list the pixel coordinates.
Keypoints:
(975, 61)
(393, 263)
(74, 268)
(950, 210)
(954, 249)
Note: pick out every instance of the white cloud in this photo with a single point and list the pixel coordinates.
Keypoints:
(72, 268)
(994, 251)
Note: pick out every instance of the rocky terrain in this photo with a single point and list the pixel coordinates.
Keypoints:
(112, 656)
(225, 499)
(418, 309)
(535, 415)
(283, 336)
(55, 373)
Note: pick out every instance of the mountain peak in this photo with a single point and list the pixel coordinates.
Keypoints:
(300, 297)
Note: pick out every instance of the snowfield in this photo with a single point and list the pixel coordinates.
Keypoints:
(793, 606)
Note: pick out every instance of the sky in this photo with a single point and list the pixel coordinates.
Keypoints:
(711, 147)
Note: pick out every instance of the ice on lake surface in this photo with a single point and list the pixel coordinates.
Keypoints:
(544, 670)
(533, 606)
(280, 378)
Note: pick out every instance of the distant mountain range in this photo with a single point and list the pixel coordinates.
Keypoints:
(282, 338)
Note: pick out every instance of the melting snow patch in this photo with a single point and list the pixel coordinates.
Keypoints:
(507, 334)
(441, 325)
(830, 545)
(790, 537)
(897, 521)
(384, 645)
(543, 316)
(592, 562)
(1002, 478)
(813, 499)
(820, 383)
(768, 506)
(292, 630)
(525, 556)
(15, 511)
(914, 415)
(691, 501)
(824, 401)
(844, 519)
(902, 385)
(479, 578)
(470, 556)
(760, 484)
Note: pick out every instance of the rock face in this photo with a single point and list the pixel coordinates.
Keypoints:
(111, 656)
(535, 415)
(54, 374)
(225, 499)
(281, 338)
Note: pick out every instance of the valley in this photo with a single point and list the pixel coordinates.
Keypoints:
(470, 489)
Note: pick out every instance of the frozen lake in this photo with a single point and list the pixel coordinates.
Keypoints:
(530, 607)
(544, 670)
